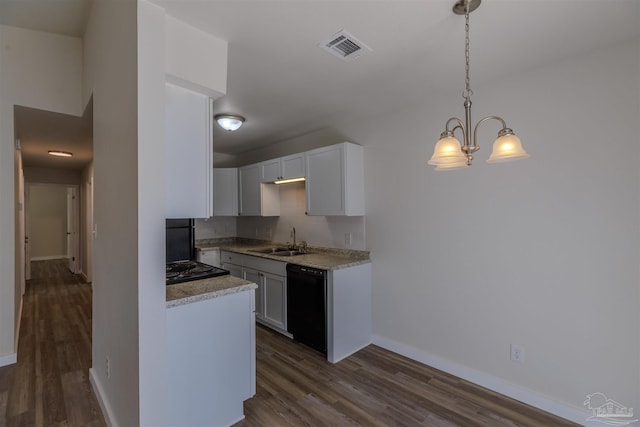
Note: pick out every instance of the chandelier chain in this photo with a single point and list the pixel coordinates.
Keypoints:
(467, 91)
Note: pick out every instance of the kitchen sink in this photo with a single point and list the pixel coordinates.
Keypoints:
(269, 251)
(287, 253)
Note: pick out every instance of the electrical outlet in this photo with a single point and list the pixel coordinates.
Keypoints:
(517, 353)
(108, 367)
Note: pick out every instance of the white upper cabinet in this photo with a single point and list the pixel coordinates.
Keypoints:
(271, 170)
(189, 153)
(287, 167)
(225, 192)
(293, 166)
(256, 198)
(335, 180)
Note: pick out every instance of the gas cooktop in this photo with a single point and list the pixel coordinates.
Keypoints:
(185, 271)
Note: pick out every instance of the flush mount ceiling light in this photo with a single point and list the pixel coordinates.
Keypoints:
(229, 122)
(59, 153)
(448, 154)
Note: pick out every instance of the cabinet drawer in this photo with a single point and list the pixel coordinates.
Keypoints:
(257, 263)
(266, 265)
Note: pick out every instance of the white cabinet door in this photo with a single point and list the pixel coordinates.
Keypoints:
(283, 168)
(225, 192)
(234, 270)
(249, 184)
(271, 170)
(256, 198)
(275, 300)
(256, 277)
(293, 166)
(335, 180)
(189, 153)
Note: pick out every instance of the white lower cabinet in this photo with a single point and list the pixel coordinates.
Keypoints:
(209, 256)
(275, 300)
(210, 360)
(271, 295)
(348, 305)
(255, 277)
(234, 270)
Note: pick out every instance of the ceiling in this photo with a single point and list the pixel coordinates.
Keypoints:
(286, 86)
(40, 131)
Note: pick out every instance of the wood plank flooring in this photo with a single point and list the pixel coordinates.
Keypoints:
(296, 386)
(49, 385)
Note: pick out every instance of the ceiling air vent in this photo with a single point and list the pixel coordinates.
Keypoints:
(345, 46)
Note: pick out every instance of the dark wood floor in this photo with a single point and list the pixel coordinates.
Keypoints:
(296, 386)
(49, 386)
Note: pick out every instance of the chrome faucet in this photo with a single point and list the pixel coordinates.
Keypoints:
(293, 234)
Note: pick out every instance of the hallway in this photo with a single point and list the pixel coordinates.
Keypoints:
(49, 386)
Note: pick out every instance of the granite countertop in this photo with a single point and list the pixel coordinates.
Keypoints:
(317, 257)
(199, 290)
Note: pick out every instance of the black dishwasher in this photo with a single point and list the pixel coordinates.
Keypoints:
(307, 306)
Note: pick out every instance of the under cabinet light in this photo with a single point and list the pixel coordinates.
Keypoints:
(287, 181)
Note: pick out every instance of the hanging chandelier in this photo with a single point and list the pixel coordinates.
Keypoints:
(448, 153)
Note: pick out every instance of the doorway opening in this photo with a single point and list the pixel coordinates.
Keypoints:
(52, 225)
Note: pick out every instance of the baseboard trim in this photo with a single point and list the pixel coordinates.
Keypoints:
(9, 359)
(98, 390)
(485, 380)
(47, 258)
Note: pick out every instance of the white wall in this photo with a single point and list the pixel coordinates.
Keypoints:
(194, 59)
(541, 253)
(47, 221)
(37, 70)
(151, 214)
(52, 175)
(110, 76)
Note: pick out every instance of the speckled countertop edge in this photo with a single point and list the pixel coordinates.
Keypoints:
(200, 290)
(318, 257)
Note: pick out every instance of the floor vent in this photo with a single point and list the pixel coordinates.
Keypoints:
(345, 46)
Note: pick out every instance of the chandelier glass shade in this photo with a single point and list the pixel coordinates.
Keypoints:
(449, 153)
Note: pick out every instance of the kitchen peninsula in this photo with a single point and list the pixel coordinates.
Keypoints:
(210, 350)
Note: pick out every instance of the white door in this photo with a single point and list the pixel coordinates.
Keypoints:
(72, 228)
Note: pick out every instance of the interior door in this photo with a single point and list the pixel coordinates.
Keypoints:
(72, 229)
